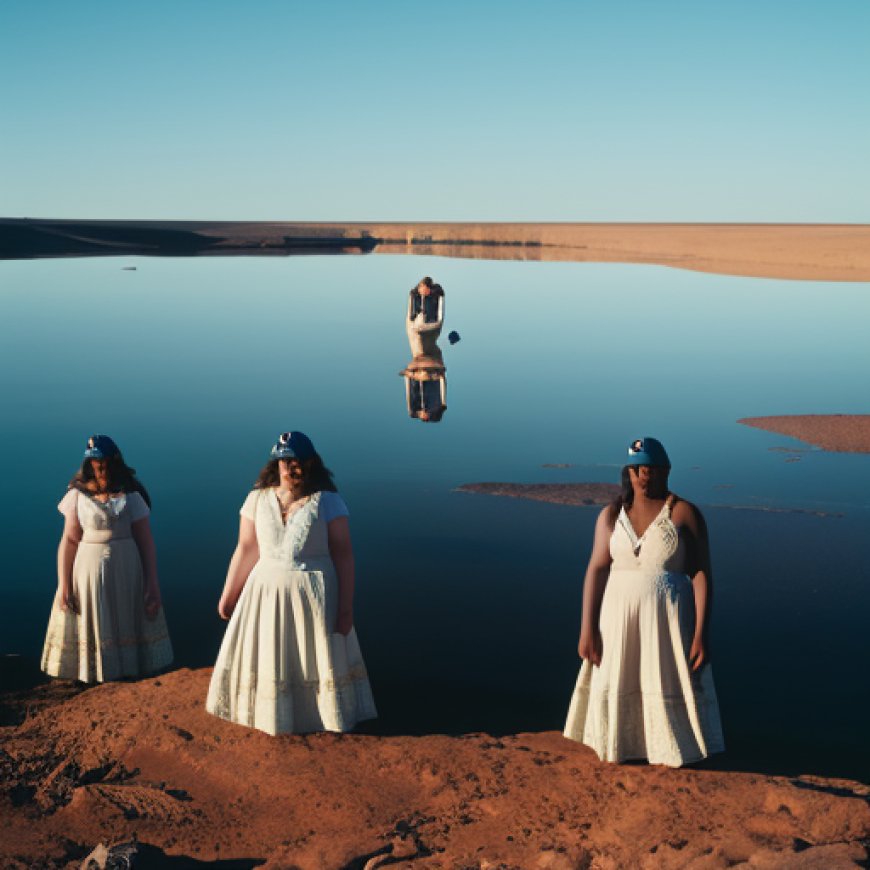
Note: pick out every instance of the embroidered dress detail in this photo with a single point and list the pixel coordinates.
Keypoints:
(110, 637)
(644, 701)
(281, 668)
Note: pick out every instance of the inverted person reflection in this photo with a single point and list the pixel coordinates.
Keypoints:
(425, 375)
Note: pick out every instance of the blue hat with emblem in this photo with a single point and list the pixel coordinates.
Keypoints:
(101, 447)
(293, 445)
(648, 451)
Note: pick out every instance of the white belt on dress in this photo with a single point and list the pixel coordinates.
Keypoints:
(314, 563)
(101, 536)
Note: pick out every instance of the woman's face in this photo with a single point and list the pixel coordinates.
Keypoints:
(649, 480)
(100, 467)
(290, 471)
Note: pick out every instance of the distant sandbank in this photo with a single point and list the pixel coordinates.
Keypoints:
(838, 433)
(818, 252)
(581, 494)
(589, 494)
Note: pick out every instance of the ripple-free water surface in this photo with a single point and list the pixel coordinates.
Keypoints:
(468, 606)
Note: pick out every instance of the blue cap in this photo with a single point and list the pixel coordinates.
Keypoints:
(101, 447)
(293, 445)
(648, 451)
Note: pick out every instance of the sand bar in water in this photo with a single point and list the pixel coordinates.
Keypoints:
(840, 433)
(815, 252)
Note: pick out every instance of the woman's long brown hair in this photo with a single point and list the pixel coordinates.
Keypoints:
(315, 476)
(625, 499)
(120, 477)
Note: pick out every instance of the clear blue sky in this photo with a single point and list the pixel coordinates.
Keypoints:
(696, 111)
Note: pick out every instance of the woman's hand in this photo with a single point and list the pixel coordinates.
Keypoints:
(591, 647)
(152, 601)
(697, 653)
(67, 600)
(244, 559)
(341, 553)
(226, 606)
(344, 622)
(66, 553)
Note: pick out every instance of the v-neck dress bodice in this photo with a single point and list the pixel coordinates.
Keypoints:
(644, 701)
(659, 548)
(282, 667)
(299, 542)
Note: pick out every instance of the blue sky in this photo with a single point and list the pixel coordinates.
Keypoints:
(635, 111)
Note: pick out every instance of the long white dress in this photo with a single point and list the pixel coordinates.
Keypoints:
(644, 701)
(110, 637)
(281, 667)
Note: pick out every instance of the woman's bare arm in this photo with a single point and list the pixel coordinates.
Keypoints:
(590, 646)
(141, 531)
(341, 552)
(244, 558)
(66, 554)
(689, 518)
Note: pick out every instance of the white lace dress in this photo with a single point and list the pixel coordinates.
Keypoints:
(644, 701)
(281, 667)
(110, 637)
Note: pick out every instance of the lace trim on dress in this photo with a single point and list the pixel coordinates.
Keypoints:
(113, 508)
(328, 684)
(670, 537)
(67, 646)
(302, 526)
(90, 662)
(632, 726)
(230, 701)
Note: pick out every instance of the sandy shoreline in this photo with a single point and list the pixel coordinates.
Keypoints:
(85, 767)
(820, 252)
(838, 433)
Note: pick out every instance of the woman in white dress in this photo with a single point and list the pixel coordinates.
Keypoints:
(106, 621)
(290, 661)
(646, 689)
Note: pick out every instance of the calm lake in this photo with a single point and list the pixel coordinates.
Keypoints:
(468, 606)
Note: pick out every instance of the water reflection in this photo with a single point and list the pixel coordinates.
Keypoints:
(425, 375)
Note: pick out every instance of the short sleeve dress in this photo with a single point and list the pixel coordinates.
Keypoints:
(110, 638)
(281, 667)
(644, 701)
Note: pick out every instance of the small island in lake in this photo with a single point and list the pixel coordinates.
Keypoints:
(837, 433)
(580, 494)
(591, 494)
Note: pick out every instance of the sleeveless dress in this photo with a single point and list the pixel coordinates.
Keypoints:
(281, 667)
(110, 637)
(644, 701)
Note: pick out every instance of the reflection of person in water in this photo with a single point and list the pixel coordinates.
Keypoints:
(425, 375)
(425, 317)
(426, 393)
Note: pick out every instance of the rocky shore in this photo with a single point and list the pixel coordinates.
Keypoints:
(144, 760)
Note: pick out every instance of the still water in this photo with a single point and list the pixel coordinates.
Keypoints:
(468, 606)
